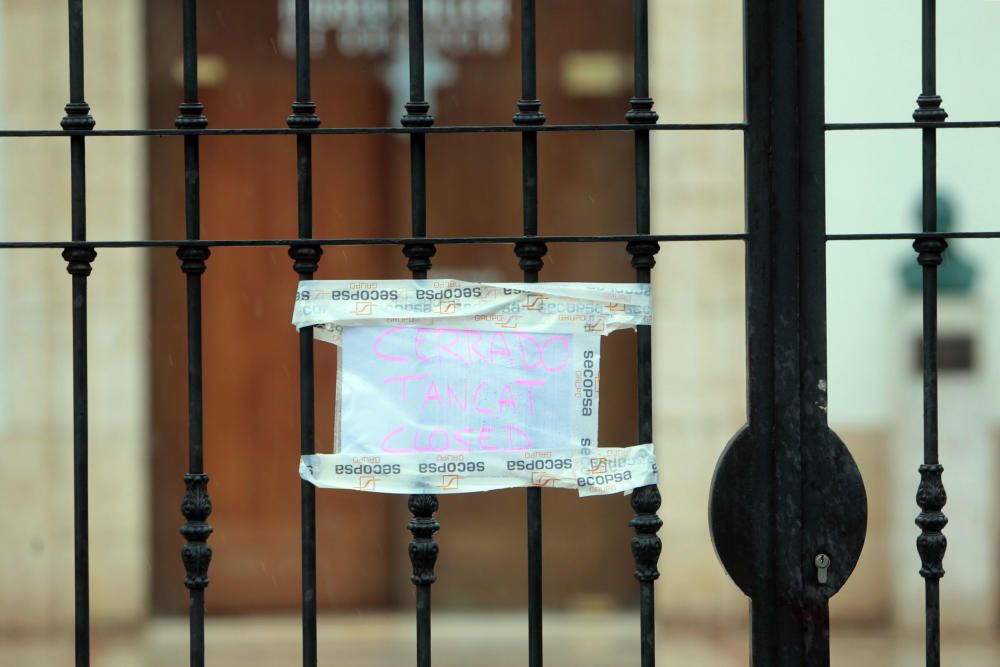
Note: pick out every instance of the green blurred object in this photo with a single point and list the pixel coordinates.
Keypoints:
(956, 275)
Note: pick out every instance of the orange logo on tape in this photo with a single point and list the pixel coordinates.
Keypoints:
(363, 308)
(449, 481)
(598, 466)
(543, 479)
(534, 302)
(367, 482)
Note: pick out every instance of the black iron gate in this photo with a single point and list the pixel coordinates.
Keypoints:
(788, 510)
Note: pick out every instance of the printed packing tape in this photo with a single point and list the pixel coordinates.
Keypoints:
(598, 308)
(606, 470)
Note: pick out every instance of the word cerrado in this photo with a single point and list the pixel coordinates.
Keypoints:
(516, 350)
(480, 389)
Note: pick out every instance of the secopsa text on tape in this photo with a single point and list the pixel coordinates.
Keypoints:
(496, 383)
(606, 470)
(597, 308)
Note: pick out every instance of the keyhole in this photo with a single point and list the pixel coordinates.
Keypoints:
(822, 568)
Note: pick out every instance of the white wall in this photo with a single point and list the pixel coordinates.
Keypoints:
(873, 178)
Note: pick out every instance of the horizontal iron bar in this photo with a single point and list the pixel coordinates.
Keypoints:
(478, 129)
(910, 125)
(612, 238)
(910, 236)
(319, 131)
(486, 240)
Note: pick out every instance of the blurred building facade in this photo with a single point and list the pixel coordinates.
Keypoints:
(873, 183)
(136, 326)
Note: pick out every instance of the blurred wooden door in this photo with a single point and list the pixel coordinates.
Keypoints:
(250, 348)
(362, 189)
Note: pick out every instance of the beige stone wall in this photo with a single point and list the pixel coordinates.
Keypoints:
(36, 563)
(699, 357)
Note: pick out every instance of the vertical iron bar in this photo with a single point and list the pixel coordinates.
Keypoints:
(196, 505)
(824, 458)
(530, 253)
(423, 549)
(931, 496)
(76, 52)
(306, 262)
(645, 501)
(417, 115)
(81, 564)
(928, 55)
(786, 491)
(760, 337)
(78, 263)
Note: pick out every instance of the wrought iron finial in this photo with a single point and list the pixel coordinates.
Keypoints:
(643, 254)
(192, 116)
(931, 543)
(931, 251)
(196, 507)
(193, 258)
(529, 113)
(641, 112)
(419, 257)
(646, 546)
(306, 258)
(929, 110)
(417, 114)
(303, 116)
(531, 253)
(423, 547)
(77, 117)
(78, 259)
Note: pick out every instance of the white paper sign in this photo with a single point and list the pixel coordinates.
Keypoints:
(406, 390)
(446, 386)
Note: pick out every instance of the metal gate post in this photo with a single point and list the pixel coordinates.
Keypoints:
(788, 507)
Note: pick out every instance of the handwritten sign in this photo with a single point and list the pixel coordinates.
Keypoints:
(410, 390)
(445, 386)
